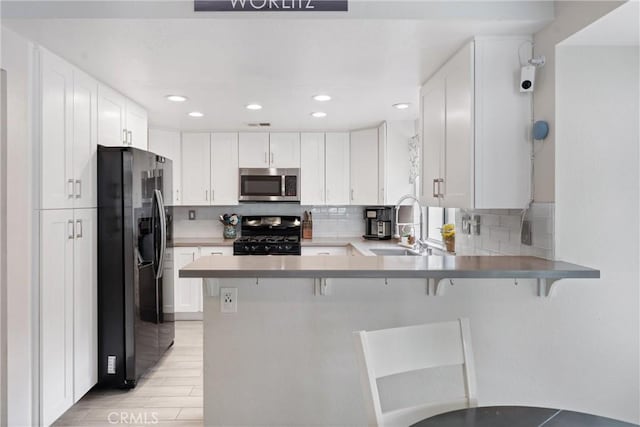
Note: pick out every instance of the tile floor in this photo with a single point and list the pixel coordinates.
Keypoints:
(170, 394)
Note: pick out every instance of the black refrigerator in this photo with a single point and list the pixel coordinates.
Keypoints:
(134, 229)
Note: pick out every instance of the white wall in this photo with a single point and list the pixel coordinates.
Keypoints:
(597, 216)
(15, 59)
(570, 16)
(3, 253)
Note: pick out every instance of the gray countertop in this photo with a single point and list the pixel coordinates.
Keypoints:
(437, 267)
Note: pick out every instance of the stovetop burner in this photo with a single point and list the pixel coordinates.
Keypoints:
(268, 236)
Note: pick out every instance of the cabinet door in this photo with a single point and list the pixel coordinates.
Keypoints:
(253, 150)
(284, 149)
(166, 143)
(337, 166)
(111, 117)
(56, 312)
(85, 139)
(312, 169)
(224, 169)
(433, 128)
(57, 184)
(85, 302)
(458, 167)
(397, 168)
(364, 167)
(196, 168)
(188, 292)
(137, 126)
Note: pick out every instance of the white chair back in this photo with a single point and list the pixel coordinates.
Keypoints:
(399, 350)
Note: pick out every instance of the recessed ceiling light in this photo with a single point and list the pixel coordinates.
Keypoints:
(196, 114)
(254, 107)
(176, 98)
(402, 105)
(319, 114)
(322, 98)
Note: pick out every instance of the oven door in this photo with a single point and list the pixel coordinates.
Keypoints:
(269, 185)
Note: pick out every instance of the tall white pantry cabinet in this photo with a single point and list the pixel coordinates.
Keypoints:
(68, 234)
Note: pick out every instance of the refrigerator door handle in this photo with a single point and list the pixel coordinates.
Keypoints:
(163, 232)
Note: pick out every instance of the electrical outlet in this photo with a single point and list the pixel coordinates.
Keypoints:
(525, 233)
(228, 300)
(192, 214)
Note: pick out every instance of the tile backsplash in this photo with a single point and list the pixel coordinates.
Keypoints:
(328, 221)
(499, 229)
(500, 232)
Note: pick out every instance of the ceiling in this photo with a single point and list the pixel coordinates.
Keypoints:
(365, 64)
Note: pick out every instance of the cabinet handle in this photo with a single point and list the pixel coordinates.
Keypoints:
(70, 229)
(324, 253)
(124, 135)
(78, 188)
(79, 228)
(440, 181)
(272, 156)
(70, 185)
(206, 195)
(213, 194)
(217, 253)
(130, 137)
(435, 194)
(352, 194)
(178, 195)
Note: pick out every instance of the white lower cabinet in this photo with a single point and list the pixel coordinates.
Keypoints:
(68, 308)
(188, 292)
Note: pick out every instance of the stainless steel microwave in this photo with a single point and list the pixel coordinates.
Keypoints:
(269, 185)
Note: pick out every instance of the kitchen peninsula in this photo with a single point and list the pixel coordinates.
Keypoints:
(286, 355)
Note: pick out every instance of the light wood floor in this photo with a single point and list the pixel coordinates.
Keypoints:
(170, 393)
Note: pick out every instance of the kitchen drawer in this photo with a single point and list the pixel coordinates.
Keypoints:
(325, 250)
(216, 250)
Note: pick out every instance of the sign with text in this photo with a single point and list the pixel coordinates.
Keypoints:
(271, 5)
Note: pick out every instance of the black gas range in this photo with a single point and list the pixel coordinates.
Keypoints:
(268, 235)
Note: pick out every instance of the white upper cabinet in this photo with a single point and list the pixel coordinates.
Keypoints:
(253, 150)
(337, 167)
(112, 109)
(166, 143)
(85, 140)
(265, 150)
(312, 168)
(121, 122)
(433, 131)
(284, 150)
(57, 178)
(69, 136)
(364, 167)
(137, 126)
(224, 168)
(475, 129)
(85, 302)
(196, 169)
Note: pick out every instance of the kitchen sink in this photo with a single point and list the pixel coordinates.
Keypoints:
(394, 252)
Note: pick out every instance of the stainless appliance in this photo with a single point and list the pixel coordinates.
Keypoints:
(378, 222)
(134, 227)
(269, 185)
(268, 235)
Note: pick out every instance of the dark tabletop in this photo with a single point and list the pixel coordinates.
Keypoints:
(518, 416)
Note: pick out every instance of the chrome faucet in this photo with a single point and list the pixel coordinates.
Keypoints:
(420, 244)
